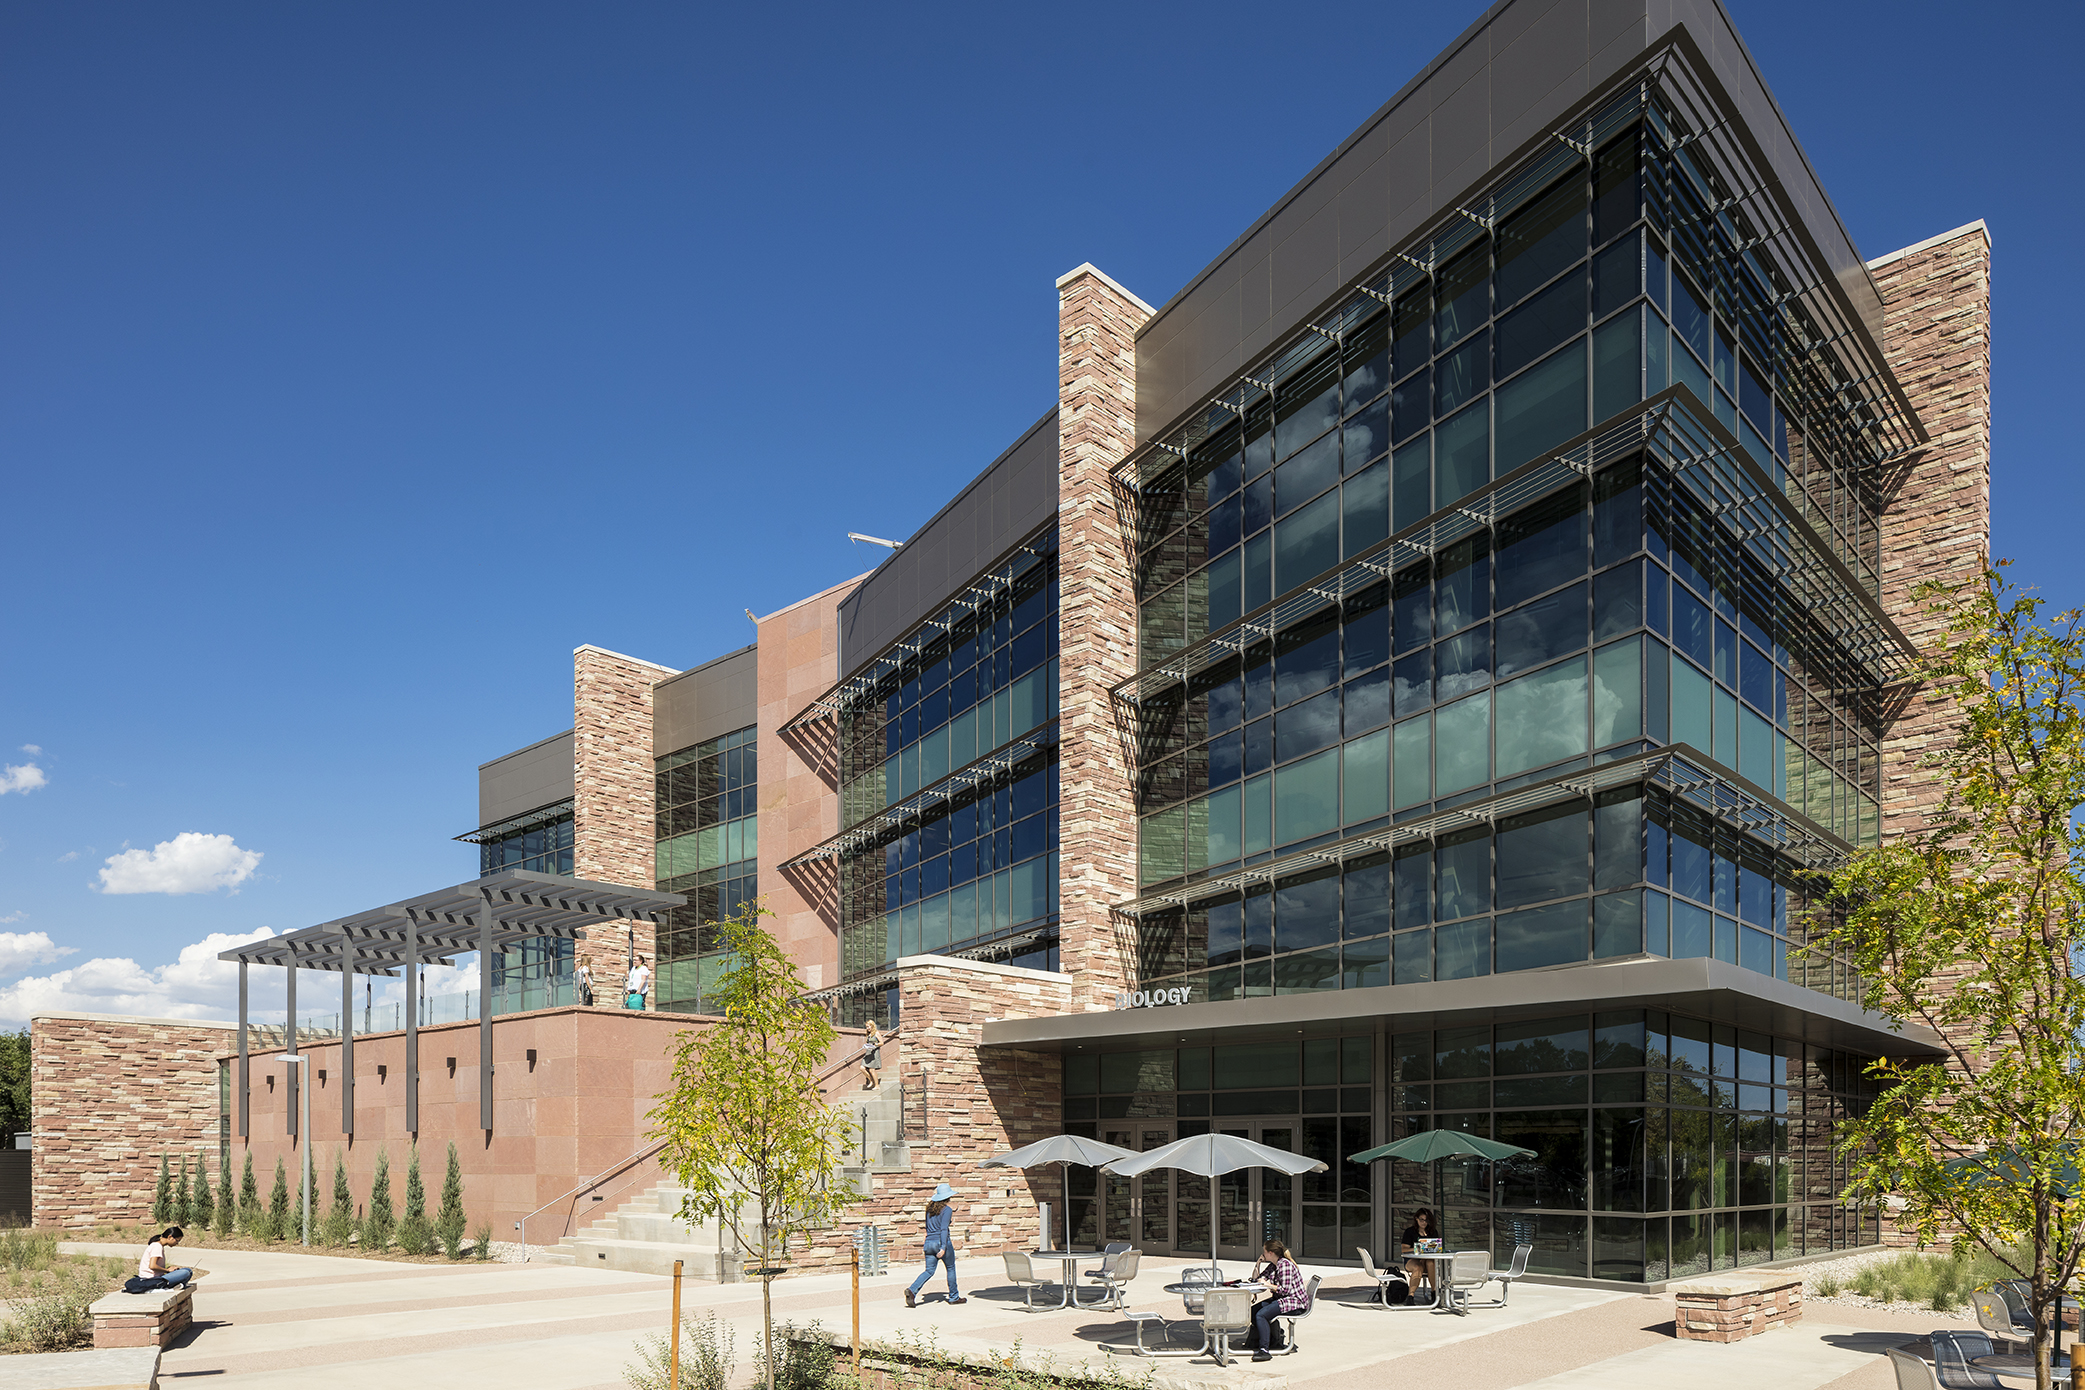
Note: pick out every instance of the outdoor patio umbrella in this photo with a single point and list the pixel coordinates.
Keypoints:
(1211, 1156)
(1433, 1145)
(1436, 1144)
(1062, 1150)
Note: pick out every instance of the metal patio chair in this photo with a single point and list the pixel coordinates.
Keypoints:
(1384, 1279)
(1114, 1274)
(1504, 1278)
(1021, 1270)
(1198, 1274)
(1912, 1373)
(1288, 1321)
(1470, 1269)
(1226, 1313)
(1952, 1354)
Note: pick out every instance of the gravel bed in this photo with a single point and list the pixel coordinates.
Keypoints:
(1845, 1270)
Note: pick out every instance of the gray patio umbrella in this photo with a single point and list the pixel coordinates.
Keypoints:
(1211, 1156)
(1062, 1150)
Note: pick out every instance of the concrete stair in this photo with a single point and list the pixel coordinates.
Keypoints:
(645, 1236)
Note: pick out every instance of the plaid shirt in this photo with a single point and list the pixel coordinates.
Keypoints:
(1290, 1293)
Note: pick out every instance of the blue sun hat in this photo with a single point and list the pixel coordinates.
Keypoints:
(942, 1193)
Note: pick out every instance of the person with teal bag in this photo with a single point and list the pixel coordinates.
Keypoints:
(939, 1245)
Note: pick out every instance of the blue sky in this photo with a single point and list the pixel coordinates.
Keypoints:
(359, 361)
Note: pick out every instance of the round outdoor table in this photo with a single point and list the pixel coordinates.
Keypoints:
(2015, 1364)
(1444, 1299)
(1070, 1260)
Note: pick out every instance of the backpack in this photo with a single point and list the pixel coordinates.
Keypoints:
(138, 1283)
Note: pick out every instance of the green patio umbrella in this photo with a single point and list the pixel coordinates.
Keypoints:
(1436, 1144)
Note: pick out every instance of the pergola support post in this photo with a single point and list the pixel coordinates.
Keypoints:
(289, 1032)
(347, 1035)
(245, 1081)
(412, 1024)
(485, 930)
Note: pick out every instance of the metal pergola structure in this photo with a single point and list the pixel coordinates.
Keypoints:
(485, 915)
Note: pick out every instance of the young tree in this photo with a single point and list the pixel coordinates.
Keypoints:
(1977, 930)
(163, 1195)
(226, 1215)
(14, 1086)
(382, 1217)
(449, 1220)
(748, 1132)
(415, 1236)
(201, 1205)
(339, 1223)
(252, 1220)
(278, 1218)
(184, 1197)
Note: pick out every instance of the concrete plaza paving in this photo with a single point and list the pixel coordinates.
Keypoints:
(273, 1319)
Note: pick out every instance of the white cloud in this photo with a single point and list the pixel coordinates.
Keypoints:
(25, 778)
(68, 856)
(15, 916)
(188, 863)
(20, 950)
(31, 749)
(196, 985)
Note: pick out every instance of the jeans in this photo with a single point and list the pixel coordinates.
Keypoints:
(1263, 1315)
(177, 1277)
(947, 1257)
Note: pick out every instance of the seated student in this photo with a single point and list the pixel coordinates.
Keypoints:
(1418, 1271)
(1287, 1294)
(153, 1264)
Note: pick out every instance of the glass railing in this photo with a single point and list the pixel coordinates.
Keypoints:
(460, 1007)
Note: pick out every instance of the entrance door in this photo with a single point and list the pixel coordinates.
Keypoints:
(1118, 1195)
(1256, 1204)
(1139, 1210)
(1154, 1194)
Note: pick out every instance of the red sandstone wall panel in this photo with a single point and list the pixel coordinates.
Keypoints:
(799, 660)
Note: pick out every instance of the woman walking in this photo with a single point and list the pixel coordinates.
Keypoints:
(939, 1245)
(1287, 1294)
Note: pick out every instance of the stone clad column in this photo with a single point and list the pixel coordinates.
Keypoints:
(1097, 322)
(612, 798)
(1936, 519)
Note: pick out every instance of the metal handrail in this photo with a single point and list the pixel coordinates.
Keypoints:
(595, 1181)
(644, 1153)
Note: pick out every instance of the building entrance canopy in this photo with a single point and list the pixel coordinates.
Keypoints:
(486, 915)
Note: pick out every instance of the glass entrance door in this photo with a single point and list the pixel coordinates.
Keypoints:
(1118, 1195)
(1154, 1194)
(1256, 1204)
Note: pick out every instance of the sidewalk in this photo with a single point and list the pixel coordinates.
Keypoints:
(269, 1319)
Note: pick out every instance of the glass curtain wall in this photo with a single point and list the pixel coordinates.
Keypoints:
(536, 974)
(544, 848)
(708, 845)
(1609, 618)
(951, 758)
(1665, 1146)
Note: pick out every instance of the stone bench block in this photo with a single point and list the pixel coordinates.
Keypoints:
(1731, 1307)
(142, 1319)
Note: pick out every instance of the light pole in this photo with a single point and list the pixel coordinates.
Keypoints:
(303, 1128)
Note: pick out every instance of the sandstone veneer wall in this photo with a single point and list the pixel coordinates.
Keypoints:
(109, 1096)
(1097, 617)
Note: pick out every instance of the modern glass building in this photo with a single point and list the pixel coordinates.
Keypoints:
(1409, 680)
